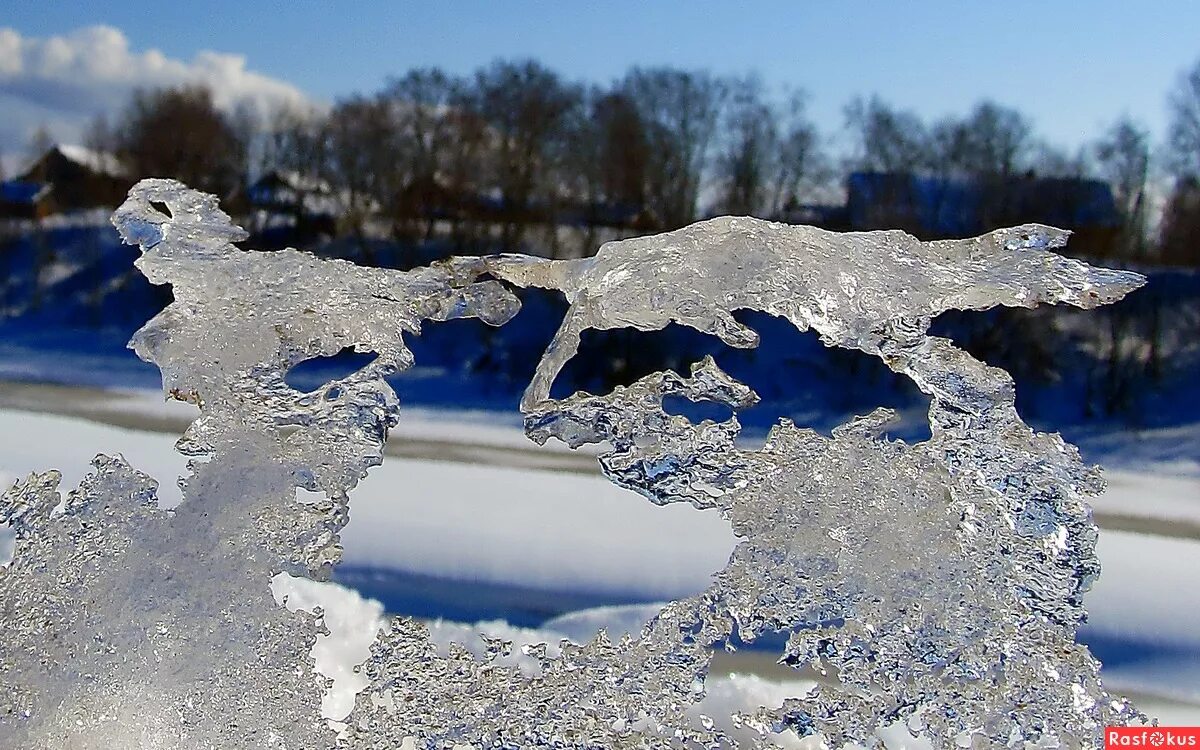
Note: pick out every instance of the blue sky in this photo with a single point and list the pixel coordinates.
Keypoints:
(1073, 67)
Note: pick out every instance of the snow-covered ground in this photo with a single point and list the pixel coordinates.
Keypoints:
(564, 532)
(1176, 497)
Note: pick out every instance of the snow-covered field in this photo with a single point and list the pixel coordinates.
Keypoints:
(571, 534)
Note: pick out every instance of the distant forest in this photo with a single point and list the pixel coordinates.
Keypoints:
(516, 158)
(653, 151)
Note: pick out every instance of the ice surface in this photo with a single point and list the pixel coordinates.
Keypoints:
(935, 585)
(125, 625)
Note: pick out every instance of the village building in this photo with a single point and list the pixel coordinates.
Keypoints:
(80, 178)
(20, 199)
(933, 208)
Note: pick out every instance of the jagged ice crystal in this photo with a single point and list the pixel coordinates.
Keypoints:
(937, 585)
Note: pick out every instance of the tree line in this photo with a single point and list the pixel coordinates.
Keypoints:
(654, 150)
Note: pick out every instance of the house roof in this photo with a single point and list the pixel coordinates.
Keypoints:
(100, 162)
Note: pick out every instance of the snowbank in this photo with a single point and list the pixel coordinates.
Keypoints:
(564, 531)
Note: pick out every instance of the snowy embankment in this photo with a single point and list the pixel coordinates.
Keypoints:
(493, 541)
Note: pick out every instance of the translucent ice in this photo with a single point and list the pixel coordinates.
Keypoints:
(935, 585)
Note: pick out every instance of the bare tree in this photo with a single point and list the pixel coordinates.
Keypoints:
(1123, 157)
(680, 112)
(99, 135)
(993, 141)
(250, 130)
(525, 104)
(582, 161)
(1180, 236)
(43, 254)
(180, 133)
(749, 149)
(296, 142)
(1180, 233)
(604, 161)
(361, 145)
(421, 101)
(467, 165)
(1183, 142)
(801, 164)
(888, 139)
(1049, 160)
(624, 150)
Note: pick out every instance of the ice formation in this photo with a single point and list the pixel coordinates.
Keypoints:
(936, 586)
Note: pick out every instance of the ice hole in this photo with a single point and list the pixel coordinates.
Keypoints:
(469, 543)
(552, 539)
(320, 373)
(795, 376)
(8, 539)
(1070, 365)
(696, 411)
(618, 357)
(8, 544)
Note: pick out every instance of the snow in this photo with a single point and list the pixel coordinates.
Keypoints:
(548, 530)
(7, 539)
(554, 530)
(355, 621)
(565, 531)
(1173, 450)
(478, 427)
(1175, 495)
(617, 620)
(352, 623)
(34, 442)
(560, 530)
(1147, 590)
(741, 692)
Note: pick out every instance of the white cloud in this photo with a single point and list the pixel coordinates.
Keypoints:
(64, 81)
